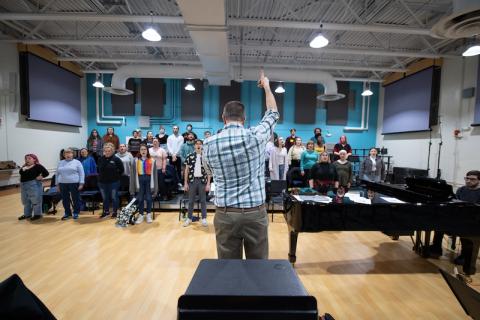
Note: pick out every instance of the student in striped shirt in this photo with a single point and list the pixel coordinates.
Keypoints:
(143, 179)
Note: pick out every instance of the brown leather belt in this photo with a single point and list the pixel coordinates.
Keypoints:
(241, 210)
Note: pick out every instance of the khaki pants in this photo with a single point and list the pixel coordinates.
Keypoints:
(235, 230)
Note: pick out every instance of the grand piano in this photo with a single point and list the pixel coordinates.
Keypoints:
(427, 205)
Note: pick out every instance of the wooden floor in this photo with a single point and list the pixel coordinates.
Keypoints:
(88, 269)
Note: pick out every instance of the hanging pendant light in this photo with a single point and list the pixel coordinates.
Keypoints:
(98, 83)
(189, 86)
(319, 41)
(150, 33)
(366, 90)
(280, 88)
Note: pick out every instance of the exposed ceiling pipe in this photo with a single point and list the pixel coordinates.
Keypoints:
(111, 71)
(326, 26)
(230, 22)
(189, 45)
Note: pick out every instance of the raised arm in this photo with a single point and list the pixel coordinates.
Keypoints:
(264, 83)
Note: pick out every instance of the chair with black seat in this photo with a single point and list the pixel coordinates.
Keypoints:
(91, 192)
(295, 178)
(124, 189)
(51, 197)
(275, 194)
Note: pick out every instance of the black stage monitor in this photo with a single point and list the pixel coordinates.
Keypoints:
(466, 296)
(246, 289)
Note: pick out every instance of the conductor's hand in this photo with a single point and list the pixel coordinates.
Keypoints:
(263, 81)
(302, 173)
(185, 187)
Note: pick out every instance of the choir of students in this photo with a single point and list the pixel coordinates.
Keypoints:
(147, 158)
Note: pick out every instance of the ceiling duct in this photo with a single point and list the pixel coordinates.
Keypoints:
(300, 76)
(464, 22)
(205, 21)
(119, 79)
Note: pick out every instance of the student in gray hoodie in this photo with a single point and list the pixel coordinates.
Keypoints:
(126, 157)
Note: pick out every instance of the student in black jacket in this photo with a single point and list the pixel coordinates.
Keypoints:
(110, 169)
(31, 175)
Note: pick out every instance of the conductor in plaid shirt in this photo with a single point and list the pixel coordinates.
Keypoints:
(236, 159)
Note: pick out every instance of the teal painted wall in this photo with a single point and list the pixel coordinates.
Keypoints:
(251, 97)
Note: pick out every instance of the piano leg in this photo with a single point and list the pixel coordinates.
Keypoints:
(469, 265)
(293, 247)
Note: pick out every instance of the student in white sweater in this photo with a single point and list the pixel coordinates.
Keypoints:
(278, 163)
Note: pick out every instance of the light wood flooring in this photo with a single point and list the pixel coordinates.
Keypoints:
(88, 269)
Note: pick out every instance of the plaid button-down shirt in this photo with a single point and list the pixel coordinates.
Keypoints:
(236, 159)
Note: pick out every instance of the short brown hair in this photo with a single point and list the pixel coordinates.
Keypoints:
(234, 110)
(474, 173)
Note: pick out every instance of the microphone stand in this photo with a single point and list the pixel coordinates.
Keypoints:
(429, 151)
(439, 173)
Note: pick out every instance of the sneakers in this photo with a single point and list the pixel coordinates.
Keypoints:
(149, 217)
(75, 217)
(66, 217)
(36, 217)
(104, 215)
(187, 222)
(204, 223)
(139, 219)
(23, 217)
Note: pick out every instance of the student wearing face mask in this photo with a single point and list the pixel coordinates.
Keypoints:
(162, 137)
(189, 130)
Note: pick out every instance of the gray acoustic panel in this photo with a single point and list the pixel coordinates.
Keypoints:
(192, 101)
(152, 97)
(228, 93)
(337, 111)
(278, 99)
(124, 105)
(305, 103)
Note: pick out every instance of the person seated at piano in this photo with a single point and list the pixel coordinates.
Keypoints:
(470, 192)
(372, 168)
(344, 170)
(323, 175)
(341, 145)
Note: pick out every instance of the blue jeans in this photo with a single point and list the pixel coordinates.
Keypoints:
(281, 171)
(32, 192)
(144, 193)
(109, 193)
(70, 195)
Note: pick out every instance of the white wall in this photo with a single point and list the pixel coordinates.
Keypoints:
(457, 155)
(19, 136)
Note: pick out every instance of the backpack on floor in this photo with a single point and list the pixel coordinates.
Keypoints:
(127, 214)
